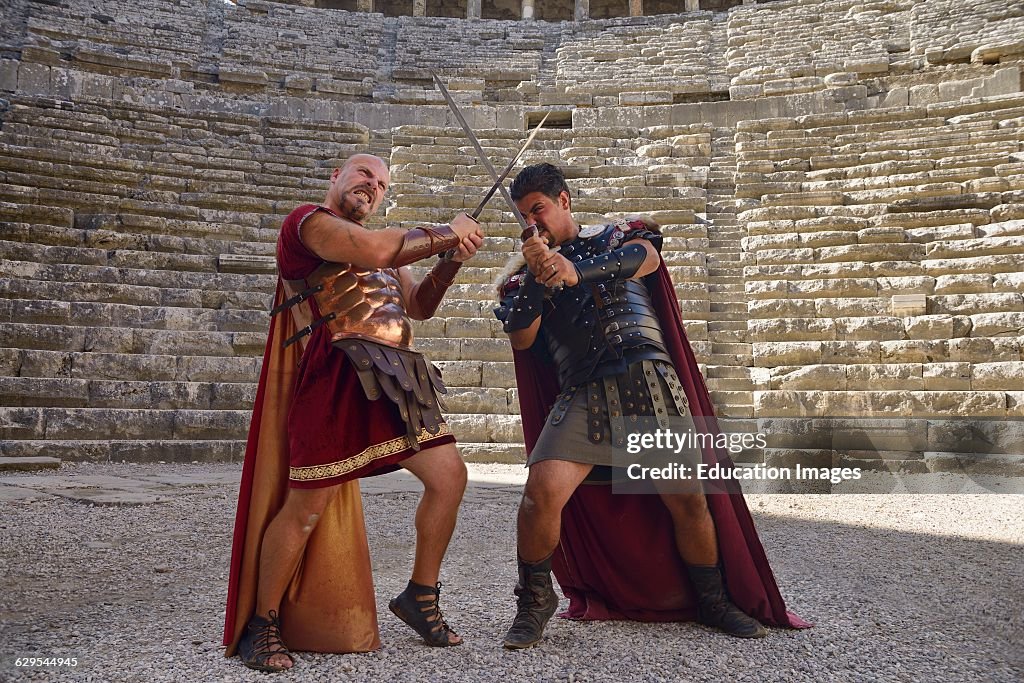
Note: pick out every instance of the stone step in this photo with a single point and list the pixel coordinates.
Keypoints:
(122, 340)
(91, 365)
(725, 273)
(126, 274)
(508, 453)
(28, 464)
(732, 360)
(81, 393)
(726, 326)
(721, 288)
(731, 316)
(735, 411)
(727, 297)
(739, 307)
(731, 348)
(128, 450)
(732, 398)
(132, 295)
(78, 314)
(75, 423)
(732, 384)
(727, 372)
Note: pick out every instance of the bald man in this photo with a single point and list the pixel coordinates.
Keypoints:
(362, 403)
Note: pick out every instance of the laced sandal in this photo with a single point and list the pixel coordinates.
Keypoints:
(417, 606)
(261, 641)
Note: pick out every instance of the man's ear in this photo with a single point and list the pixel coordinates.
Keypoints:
(564, 200)
(335, 173)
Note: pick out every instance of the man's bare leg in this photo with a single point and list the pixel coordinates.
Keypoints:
(443, 473)
(691, 519)
(548, 488)
(697, 544)
(283, 543)
(549, 485)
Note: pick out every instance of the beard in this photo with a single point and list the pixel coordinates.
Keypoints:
(355, 207)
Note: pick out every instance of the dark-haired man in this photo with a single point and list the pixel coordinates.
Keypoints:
(595, 308)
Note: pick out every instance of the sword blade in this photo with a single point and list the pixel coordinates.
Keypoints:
(479, 151)
(511, 165)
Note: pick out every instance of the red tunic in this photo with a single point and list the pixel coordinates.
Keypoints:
(335, 433)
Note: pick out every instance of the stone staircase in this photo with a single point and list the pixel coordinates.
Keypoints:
(731, 357)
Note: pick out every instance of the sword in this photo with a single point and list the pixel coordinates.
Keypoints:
(508, 169)
(480, 152)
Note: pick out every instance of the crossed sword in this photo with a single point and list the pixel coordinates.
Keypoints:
(498, 186)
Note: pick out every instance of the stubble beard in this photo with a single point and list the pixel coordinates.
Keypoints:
(354, 208)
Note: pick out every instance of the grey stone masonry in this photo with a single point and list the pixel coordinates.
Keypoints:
(840, 186)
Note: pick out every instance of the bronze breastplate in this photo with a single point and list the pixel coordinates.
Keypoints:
(365, 304)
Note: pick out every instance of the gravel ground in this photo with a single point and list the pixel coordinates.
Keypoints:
(902, 588)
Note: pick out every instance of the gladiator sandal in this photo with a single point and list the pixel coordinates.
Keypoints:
(260, 641)
(417, 606)
(536, 602)
(716, 609)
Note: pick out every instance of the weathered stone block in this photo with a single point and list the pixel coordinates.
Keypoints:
(830, 377)
(947, 376)
(914, 351)
(899, 376)
(1007, 375)
(33, 79)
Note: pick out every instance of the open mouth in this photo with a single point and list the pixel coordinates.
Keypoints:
(365, 195)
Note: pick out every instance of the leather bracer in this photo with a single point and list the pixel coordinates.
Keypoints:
(621, 264)
(526, 306)
(419, 243)
(431, 289)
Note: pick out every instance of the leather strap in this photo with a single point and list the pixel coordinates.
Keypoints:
(419, 243)
(595, 405)
(675, 388)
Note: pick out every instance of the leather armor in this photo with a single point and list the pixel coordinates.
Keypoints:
(597, 329)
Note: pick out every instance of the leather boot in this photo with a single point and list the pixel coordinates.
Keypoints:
(536, 602)
(716, 609)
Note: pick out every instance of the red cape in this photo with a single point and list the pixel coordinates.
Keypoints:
(329, 605)
(617, 556)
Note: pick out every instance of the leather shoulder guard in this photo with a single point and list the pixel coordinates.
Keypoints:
(623, 231)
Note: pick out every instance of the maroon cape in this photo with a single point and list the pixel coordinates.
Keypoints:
(617, 557)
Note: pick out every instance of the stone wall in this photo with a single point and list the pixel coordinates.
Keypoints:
(842, 208)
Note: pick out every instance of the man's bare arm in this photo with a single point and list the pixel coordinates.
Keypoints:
(342, 241)
(524, 338)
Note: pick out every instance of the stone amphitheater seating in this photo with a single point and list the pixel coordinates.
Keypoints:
(641, 65)
(849, 213)
(855, 260)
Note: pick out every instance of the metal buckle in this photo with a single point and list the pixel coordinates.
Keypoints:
(307, 330)
(295, 300)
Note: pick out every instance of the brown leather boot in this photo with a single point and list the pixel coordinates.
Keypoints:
(716, 609)
(536, 601)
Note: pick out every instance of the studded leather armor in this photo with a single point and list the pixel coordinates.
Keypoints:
(596, 329)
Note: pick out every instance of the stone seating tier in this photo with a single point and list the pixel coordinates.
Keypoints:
(261, 50)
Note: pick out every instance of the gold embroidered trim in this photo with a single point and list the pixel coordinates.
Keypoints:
(355, 462)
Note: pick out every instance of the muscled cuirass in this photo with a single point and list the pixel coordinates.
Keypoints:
(598, 330)
(358, 303)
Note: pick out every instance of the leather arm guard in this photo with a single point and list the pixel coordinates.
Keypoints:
(524, 308)
(431, 289)
(620, 264)
(419, 243)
